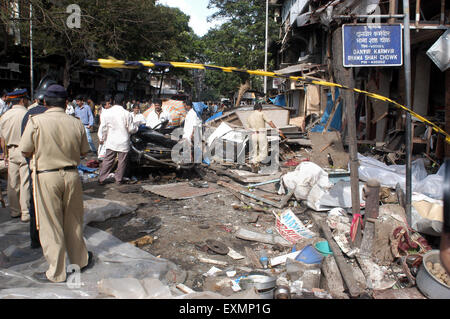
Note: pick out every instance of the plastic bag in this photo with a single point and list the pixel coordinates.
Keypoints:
(433, 185)
(309, 182)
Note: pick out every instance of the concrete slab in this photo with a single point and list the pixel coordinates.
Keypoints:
(181, 190)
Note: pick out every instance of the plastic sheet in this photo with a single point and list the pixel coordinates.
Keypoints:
(389, 176)
(113, 259)
(99, 210)
(432, 185)
(131, 288)
(340, 195)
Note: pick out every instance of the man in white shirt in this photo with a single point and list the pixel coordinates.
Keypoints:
(190, 122)
(192, 126)
(3, 105)
(138, 117)
(116, 126)
(158, 118)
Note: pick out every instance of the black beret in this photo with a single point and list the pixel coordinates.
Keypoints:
(56, 91)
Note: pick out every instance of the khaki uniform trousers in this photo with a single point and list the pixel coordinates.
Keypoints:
(59, 203)
(258, 147)
(18, 183)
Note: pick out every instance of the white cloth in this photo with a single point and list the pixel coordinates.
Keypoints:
(70, 110)
(3, 107)
(191, 121)
(154, 120)
(116, 126)
(138, 119)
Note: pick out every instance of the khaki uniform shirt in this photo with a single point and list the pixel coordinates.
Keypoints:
(257, 120)
(11, 125)
(57, 139)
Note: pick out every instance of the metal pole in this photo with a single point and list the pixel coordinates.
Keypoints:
(407, 55)
(31, 52)
(266, 46)
(161, 84)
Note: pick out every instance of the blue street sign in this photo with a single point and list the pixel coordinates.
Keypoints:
(372, 45)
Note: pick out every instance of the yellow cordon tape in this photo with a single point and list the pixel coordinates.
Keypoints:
(120, 64)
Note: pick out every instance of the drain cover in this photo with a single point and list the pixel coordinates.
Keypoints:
(217, 247)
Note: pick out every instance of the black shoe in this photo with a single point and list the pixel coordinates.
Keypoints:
(35, 245)
(41, 277)
(90, 263)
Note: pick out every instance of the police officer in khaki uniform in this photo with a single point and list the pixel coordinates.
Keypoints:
(56, 141)
(18, 174)
(257, 123)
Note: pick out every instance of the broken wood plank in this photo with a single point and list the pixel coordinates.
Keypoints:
(253, 258)
(236, 188)
(333, 279)
(263, 183)
(285, 199)
(255, 207)
(212, 261)
(406, 293)
(344, 268)
(333, 112)
(185, 289)
(400, 195)
(272, 239)
(372, 197)
(333, 143)
(367, 241)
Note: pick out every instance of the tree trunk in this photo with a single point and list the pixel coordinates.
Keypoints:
(242, 89)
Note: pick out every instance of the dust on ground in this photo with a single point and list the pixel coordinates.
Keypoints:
(181, 227)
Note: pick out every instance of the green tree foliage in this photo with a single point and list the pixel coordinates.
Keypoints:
(125, 29)
(238, 42)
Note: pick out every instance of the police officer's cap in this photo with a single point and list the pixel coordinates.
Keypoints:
(56, 91)
(18, 94)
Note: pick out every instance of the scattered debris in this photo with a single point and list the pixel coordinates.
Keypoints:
(180, 190)
(246, 234)
(217, 247)
(143, 241)
(212, 261)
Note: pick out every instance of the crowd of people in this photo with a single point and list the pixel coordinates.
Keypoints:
(43, 141)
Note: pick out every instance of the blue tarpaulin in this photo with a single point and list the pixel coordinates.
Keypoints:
(336, 123)
(279, 100)
(86, 169)
(199, 107)
(214, 116)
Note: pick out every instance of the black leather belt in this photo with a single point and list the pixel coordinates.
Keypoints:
(67, 168)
